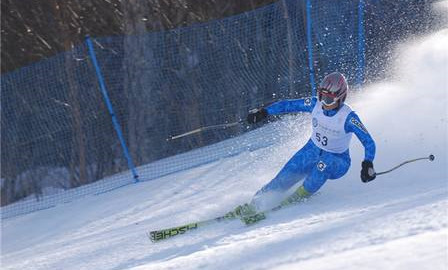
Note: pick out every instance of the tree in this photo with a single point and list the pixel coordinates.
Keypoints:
(67, 26)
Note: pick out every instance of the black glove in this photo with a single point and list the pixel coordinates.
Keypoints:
(367, 171)
(256, 115)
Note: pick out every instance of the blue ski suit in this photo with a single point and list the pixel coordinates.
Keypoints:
(313, 163)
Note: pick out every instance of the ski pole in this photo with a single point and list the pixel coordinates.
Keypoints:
(224, 126)
(430, 157)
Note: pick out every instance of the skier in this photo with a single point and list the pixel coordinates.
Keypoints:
(325, 156)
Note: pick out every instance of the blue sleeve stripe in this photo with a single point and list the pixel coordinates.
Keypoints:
(354, 124)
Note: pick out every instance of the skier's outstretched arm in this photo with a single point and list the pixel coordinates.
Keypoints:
(282, 107)
(354, 124)
(292, 106)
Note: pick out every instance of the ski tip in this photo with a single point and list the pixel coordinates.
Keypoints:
(431, 157)
(150, 236)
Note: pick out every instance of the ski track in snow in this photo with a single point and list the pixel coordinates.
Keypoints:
(398, 221)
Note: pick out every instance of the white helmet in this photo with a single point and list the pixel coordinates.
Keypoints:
(332, 89)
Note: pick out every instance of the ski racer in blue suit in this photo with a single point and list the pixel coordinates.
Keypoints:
(326, 155)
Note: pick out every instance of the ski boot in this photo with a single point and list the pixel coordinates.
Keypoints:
(298, 196)
(241, 210)
(248, 214)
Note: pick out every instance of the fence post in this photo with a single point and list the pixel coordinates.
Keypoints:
(110, 108)
(310, 46)
(361, 44)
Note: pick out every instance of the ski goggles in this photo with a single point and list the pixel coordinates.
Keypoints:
(328, 98)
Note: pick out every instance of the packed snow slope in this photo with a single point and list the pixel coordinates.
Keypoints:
(398, 221)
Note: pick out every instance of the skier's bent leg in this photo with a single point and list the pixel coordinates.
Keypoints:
(330, 166)
(294, 170)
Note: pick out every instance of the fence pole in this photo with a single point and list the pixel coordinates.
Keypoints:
(361, 44)
(110, 108)
(310, 46)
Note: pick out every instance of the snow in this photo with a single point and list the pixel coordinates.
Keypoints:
(398, 221)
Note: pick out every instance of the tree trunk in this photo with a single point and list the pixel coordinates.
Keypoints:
(138, 60)
(78, 173)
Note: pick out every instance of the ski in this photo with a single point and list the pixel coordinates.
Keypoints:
(163, 234)
(159, 235)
